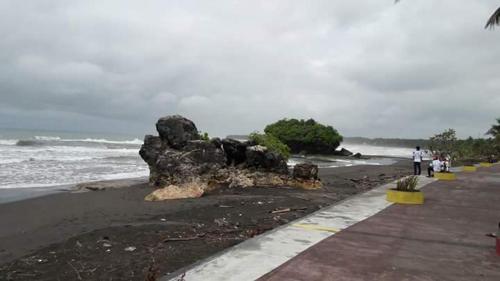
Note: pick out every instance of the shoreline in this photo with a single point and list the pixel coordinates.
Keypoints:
(8, 195)
(39, 236)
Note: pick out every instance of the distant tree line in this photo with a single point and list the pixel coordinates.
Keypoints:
(470, 150)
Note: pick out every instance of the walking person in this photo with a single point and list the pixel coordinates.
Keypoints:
(417, 161)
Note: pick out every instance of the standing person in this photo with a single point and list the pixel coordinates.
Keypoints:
(417, 161)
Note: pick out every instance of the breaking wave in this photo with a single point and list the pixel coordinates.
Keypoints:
(57, 141)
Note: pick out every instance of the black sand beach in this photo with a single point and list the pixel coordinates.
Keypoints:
(115, 235)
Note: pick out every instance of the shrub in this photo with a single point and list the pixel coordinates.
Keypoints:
(407, 184)
(204, 136)
(306, 136)
(272, 143)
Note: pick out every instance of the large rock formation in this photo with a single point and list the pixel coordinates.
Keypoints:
(178, 156)
(184, 166)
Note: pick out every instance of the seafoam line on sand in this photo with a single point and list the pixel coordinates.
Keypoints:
(255, 257)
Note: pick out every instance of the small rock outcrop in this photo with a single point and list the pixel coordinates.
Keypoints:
(357, 155)
(343, 152)
(259, 158)
(305, 171)
(305, 175)
(184, 166)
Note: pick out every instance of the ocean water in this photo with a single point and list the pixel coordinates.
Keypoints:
(366, 149)
(49, 158)
(378, 156)
(30, 159)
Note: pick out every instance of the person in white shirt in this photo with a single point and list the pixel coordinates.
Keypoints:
(417, 160)
(435, 167)
(447, 163)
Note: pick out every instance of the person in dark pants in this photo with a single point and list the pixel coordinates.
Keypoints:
(417, 161)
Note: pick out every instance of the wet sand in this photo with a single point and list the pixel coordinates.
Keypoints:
(114, 234)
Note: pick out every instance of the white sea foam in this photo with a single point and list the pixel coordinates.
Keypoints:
(325, 161)
(92, 140)
(134, 141)
(76, 180)
(8, 142)
(46, 138)
(43, 166)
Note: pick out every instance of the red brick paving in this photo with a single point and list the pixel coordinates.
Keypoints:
(444, 239)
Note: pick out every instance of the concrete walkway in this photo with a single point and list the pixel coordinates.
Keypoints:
(257, 256)
(444, 239)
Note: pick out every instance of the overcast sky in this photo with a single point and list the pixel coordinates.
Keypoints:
(367, 67)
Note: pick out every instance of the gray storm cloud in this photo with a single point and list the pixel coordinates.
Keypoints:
(369, 68)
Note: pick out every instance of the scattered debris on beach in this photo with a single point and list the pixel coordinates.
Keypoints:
(147, 244)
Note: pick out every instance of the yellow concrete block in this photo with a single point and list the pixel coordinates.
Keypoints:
(445, 176)
(485, 164)
(469, 169)
(403, 197)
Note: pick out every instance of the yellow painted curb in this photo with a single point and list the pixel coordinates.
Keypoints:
(485, 164)
(469, 169)
(445, 176)
(402, 197)
(316, 227)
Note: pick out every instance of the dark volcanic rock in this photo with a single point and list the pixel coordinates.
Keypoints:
(176, 130)
(235, 151)
(357, 155)
(260, 158)
(305, 171)
(196, 160)
(217, 142)
(343, 152)
(204, 152)
(150, 149)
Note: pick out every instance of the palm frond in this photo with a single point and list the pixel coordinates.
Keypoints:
(494, 19)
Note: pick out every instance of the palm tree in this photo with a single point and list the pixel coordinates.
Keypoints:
(492, 21)
(494, 131)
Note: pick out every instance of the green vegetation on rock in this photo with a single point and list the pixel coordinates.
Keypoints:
(272, 143)
(204, 136)
(305, 136)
